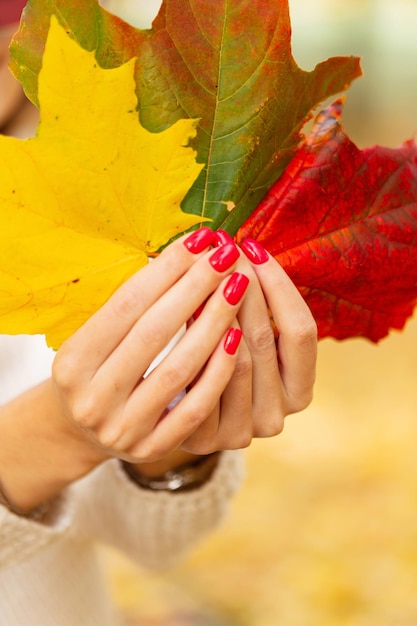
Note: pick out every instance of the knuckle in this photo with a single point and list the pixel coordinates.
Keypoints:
(109, 437)
(272, 428)
(126, 302)
(195, 417)
(147, 451)
(84, 412)
(152, 335)
(301, 401)
(262, 339)
(243, 440)
(243, 367)
(65, 369)
(200, 447)
(305, 334)
(174, 376)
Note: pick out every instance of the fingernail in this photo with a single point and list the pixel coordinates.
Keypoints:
(235, 288)
(221, 238)
(254, 251)
(232, 340)
(199, 240)
(224, 257)
(198, 311)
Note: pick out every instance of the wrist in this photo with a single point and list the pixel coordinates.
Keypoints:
(36, 513)
(40, 452)
(178, 478)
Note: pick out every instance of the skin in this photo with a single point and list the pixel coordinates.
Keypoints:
(97, 405)
(17, 116)
(10, 90)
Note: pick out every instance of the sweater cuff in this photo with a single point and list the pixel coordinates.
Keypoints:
(224, 481)
(171, 523)
(22, 537)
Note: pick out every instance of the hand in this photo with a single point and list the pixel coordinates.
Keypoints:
(273, 376)
(99, 372)
(11, 92)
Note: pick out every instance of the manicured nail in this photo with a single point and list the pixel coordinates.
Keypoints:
(232, 340)
(221, 238)
(254, 251)
(235, 288)
(224, 257)
(199, 240)
(198, 311)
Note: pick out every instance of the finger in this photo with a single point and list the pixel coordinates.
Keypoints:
(268, 394)
(96, 339)
(199, 404)
(147, 401)
(235, 428)
(164, 318)
(230, 424)
(203, 439)
(297, 343)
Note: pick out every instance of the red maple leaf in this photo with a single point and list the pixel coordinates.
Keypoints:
(343, 224)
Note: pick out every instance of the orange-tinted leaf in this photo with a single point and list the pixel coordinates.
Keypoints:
(343, 223)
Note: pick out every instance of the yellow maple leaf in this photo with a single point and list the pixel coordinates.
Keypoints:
(84, 202)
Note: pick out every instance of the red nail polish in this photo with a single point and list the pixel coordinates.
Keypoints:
(198, 311)
(235, 288)
(221, 238)
(199, 240)
(254, 251)
(224, 257)
(232, 340)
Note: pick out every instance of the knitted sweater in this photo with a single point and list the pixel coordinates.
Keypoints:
(48, 571)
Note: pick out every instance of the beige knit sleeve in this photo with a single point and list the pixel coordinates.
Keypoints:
(156, 528)
(21, 538)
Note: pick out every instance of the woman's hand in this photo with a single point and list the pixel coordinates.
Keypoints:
(99, 372)
(99, 405)
(274, 376)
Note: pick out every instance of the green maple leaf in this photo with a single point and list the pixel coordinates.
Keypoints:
(226, 62)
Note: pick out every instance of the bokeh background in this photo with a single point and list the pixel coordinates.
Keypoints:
(324, 531)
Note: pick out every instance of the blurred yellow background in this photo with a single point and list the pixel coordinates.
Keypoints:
(324, 531)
